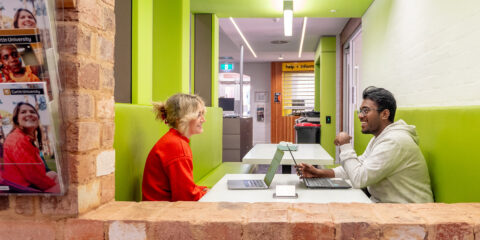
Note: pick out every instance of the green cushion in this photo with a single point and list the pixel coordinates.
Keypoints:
(136, 131)
(227, 167)
(449, 142)
(207, 146)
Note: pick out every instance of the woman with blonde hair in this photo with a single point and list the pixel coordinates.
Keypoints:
(168, 173)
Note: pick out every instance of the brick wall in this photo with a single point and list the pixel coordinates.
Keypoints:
(278, 221)
(85, 43)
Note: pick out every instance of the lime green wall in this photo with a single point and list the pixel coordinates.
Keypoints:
(326, 58)
(171, 48)
(142, 25)
(317, 86)
(214, 60)
(136, 131)
(449, 142)
(271, 9)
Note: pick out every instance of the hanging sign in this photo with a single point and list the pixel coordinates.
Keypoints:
(298, 67)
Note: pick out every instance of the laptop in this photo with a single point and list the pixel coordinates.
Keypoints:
(258, 183)
(325, 183)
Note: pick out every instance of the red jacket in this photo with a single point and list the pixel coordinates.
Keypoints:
(23, 164)
(168, 173)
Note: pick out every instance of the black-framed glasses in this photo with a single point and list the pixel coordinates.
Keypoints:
(364, 111)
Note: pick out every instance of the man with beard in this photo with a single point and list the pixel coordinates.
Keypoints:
(392, 167)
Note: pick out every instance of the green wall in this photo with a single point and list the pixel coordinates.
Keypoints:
(171, 48)
(449, 142)
(325, 57)
(142, 44)
(214, 60)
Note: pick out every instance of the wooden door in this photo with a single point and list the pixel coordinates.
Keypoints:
(282, 127)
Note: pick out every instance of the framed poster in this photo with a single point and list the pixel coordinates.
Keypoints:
(261, 96)
(29, 155)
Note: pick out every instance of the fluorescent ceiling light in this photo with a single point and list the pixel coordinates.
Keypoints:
(243, 37)
(287, 17)
(303, 37)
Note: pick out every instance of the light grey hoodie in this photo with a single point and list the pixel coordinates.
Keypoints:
(392, 166)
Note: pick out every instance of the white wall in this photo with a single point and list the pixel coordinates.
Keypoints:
(426, 52)
(260, 81)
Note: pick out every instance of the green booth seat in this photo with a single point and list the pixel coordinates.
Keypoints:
(449, 142)
(136, 131)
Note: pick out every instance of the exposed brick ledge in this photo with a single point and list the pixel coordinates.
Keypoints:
(191, 220)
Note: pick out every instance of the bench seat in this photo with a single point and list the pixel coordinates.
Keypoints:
(224, 168)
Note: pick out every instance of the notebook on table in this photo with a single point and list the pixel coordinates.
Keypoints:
(249, 184)
(327, 183)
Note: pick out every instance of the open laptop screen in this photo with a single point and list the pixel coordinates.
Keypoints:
(277, 158)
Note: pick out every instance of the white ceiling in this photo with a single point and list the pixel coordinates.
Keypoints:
(259, 32)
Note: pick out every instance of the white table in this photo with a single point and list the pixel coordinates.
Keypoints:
(220, 192)
(313, 154)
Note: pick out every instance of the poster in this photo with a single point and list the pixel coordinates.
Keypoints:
(27, 141)
(29, 163)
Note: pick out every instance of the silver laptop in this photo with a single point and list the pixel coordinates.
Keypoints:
(258, 183)
(328, 183)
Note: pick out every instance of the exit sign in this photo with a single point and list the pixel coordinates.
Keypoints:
(226, 67)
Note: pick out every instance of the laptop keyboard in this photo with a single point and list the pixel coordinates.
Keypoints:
(323, 182)
(254, 183)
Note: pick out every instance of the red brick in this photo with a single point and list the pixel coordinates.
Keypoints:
(105, 49)
(4, 203)
(445, 221)
(106, 108)
(21, 230)
(89, 13)
(83, 136)
(398, 222)
(68, 70)
(107, 79)
(170, 230)
(84, 229)
(25, 205)
(109, 2)
(267, 221)
(84, 41)
(61, 206)
(311, 221)
(108, 134)
(354, 221)
(89, 76)
(78, 106)
(107, 188)
(109, 19)
(67, 38)
(82, 168)
(67, 15)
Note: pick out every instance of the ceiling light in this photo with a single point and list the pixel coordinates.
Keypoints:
(280, 57)
(243, 37)
(287, 17)
(303, 37)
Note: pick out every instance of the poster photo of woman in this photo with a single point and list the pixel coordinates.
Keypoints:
(27, 164)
